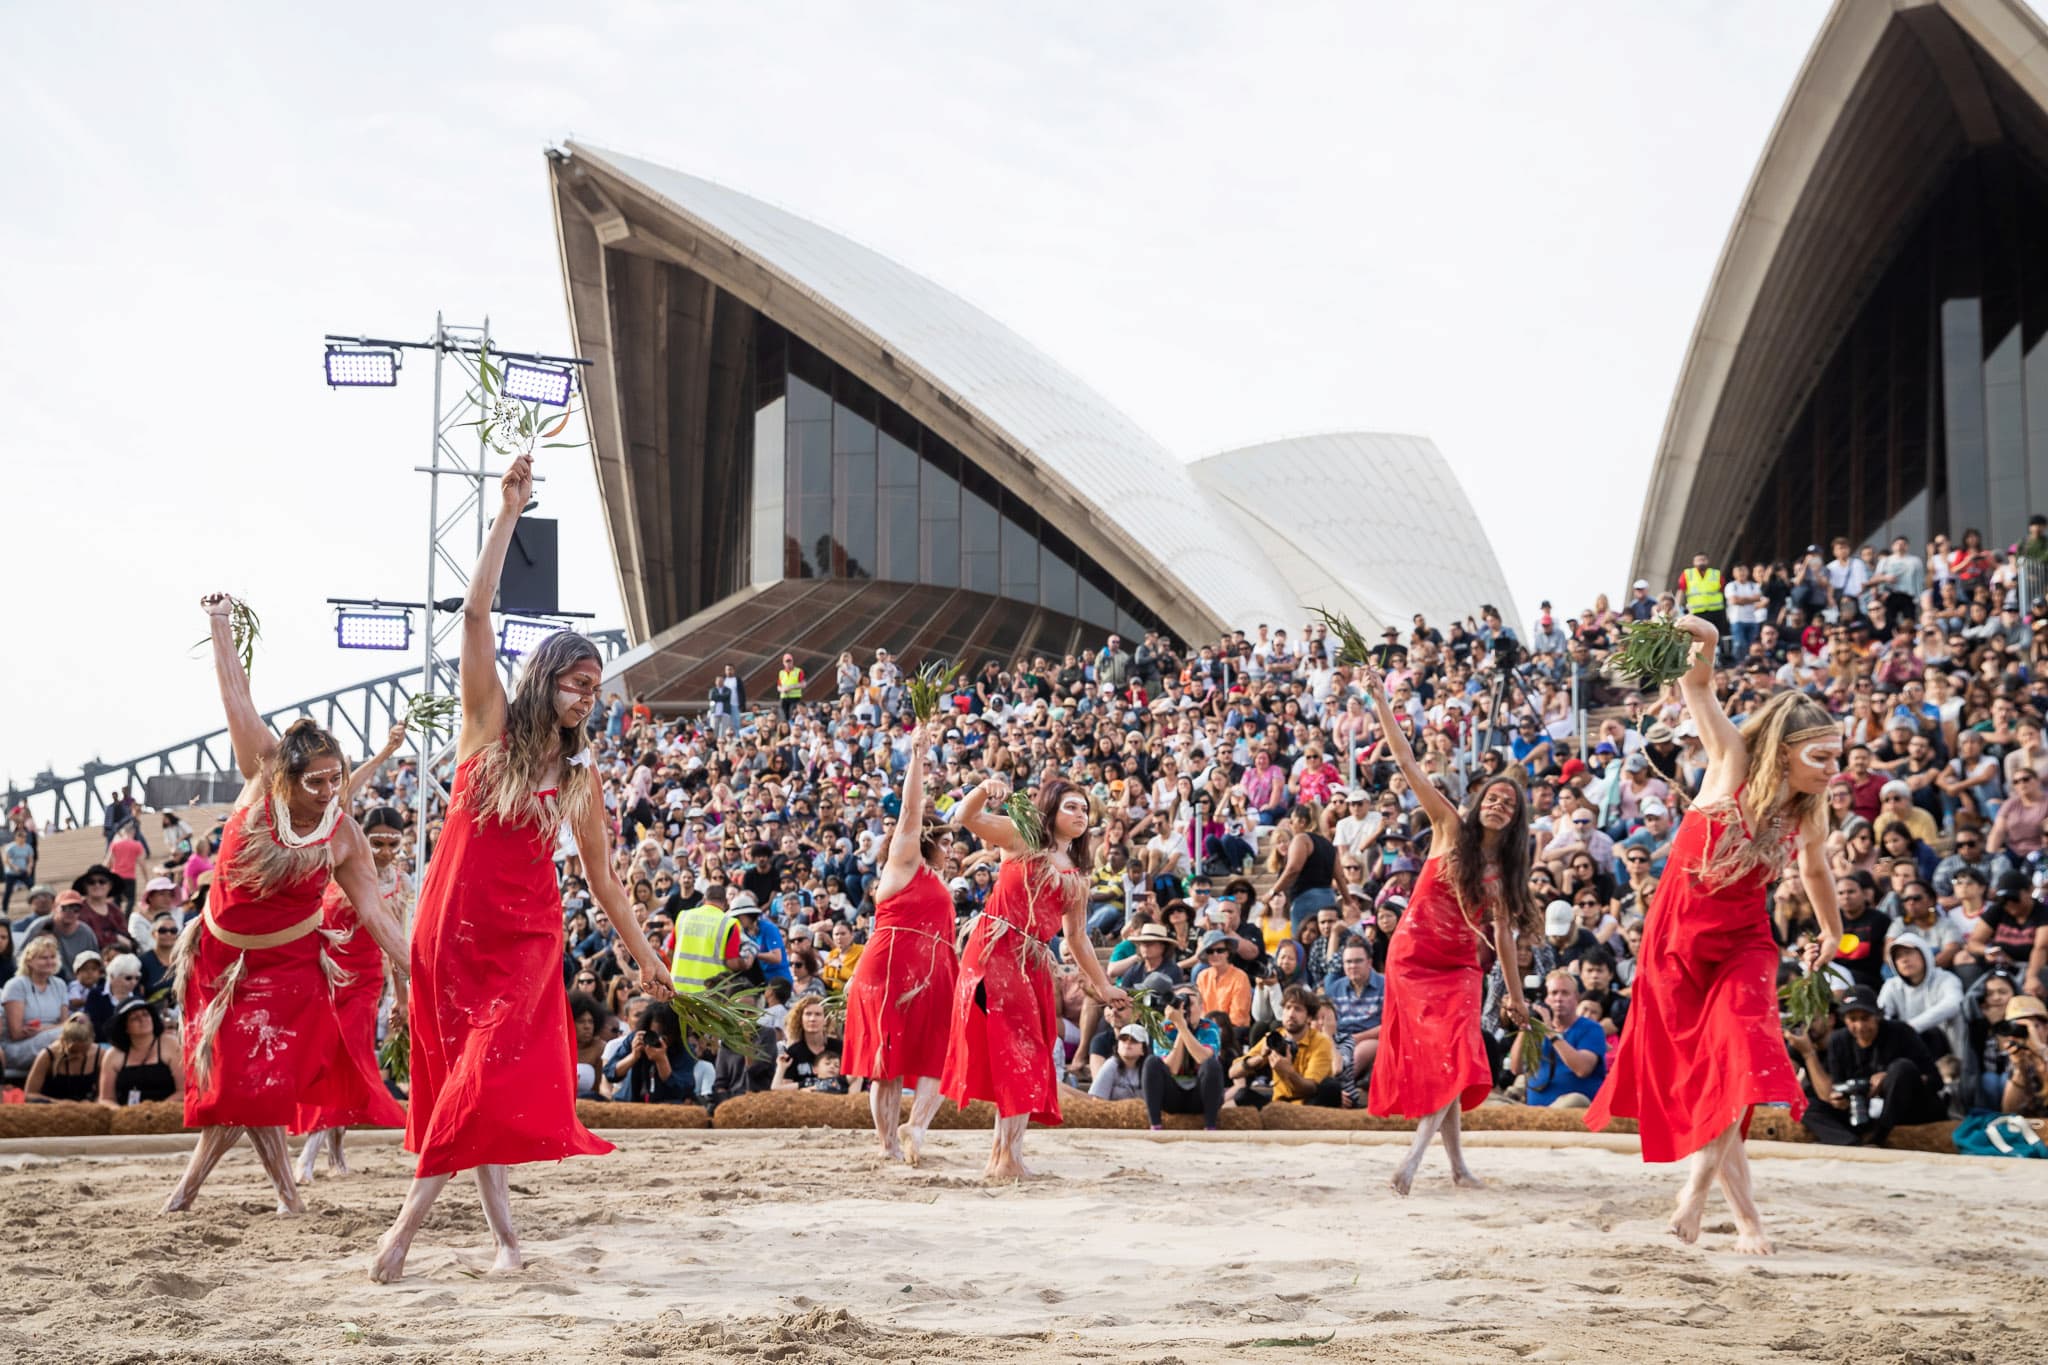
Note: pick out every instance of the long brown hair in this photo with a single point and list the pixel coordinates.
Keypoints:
(1769, 807)
(513, 770)
(262, 861)
(1468, 861)
(1049, 797)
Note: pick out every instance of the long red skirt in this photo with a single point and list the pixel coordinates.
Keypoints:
(356, 1004)
(1006, 1022)
(899, 1005)
(1431, 1051)
(1703, 1044)
(262, 1033)
(493, 1048)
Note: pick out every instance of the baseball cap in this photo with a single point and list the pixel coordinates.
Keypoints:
(1635, 762)
(743, 903)
(157, 884)
(89, 955)
(1862, 998)
(1642, 583)
(1557, 917)
(1135, 1032)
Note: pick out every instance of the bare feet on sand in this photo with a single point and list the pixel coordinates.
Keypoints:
(388, 1265)
(1462, 1177)
(1685, 1219)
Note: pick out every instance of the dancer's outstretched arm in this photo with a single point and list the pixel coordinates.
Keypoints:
(995, 830)
(483, 695)
(377, 760)
(902, 861)
(1443, 816)
(254, 741)
(605, 889)
(1727, 758)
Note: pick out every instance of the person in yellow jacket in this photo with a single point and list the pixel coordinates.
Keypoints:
(1702, 593)
(789, 685)
(709, 944)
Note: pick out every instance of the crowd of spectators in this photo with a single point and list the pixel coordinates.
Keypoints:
(1257, 845)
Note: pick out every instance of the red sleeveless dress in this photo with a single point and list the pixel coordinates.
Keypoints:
(262, 1033)
(899, 1005)
(1006, 1020)
(357, 954)
(493, 1048)
(1703, 1044)
(1431, 1051)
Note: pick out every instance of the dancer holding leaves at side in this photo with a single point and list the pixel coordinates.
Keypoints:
(900, 1000)
(263, 1031)
(1005, 1018)
(493, 1069)
(1704, 1044)
(1432, 1061)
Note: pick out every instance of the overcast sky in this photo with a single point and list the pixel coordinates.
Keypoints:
(1489, 224)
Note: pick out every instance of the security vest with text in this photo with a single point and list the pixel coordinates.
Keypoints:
(1702, 590)
(700, 948)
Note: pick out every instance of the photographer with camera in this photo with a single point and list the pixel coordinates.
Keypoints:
(1186, 1077)
(2023, 1034)
(643, 1066)
(1873, 1075)
(1296, 1057)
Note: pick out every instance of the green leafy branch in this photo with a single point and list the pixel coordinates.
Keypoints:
(932, 683)
(1653, 654)
(512, 426)
(247, 630)
(430, 713)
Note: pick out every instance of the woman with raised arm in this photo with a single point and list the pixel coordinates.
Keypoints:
(1704, 1044)
(358, 993)
(1006, 1019)
(1432, 1061)
(493, 1048)
(263, 1029)
(900, 1000)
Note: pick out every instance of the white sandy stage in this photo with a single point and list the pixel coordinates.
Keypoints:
(801, 1247)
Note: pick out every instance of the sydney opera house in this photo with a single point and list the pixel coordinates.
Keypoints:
(802, 445)
(1872, 356)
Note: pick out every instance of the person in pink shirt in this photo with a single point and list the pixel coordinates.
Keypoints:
(123, 856)
(1266, 785)
(2017, 830)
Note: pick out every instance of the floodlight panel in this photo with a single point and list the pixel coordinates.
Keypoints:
(518, 637)
(386, 630)
(361, 369)
(537, 383)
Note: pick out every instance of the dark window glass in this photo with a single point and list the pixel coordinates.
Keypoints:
(855, 480)
(939, 516)
(810, 384)
(1020, 558)
(851, 432)
(898, 467)
(1056, 581)
(980, 532)
(897, 535)
(810, 450)
(1097, 606)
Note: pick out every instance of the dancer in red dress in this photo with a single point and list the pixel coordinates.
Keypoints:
(1432, 1060)
(359, 995)
(1704, 1044)
(255, 979)
(493, 1048)
(900, 1001)
(1005, 1020)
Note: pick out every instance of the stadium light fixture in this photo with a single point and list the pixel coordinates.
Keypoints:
(384, 630)
(538, 383)
(355, 367)
(518, 636)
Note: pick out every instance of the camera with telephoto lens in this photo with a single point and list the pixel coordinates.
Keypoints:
(1858, 1092)
(2009, 1028)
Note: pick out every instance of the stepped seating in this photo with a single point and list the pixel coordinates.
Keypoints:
(63, 856)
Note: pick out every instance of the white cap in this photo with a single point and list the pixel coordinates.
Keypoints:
(1557, 918)
(1643, 583)
(1655, 808)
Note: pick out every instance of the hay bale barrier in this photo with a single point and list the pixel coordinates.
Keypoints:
(603, 1114)
(62, 1119)
(158, 1116)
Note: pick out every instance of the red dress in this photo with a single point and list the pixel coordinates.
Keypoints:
(899, 1004)
(1431, 1051)
(1702, 1044)
(493, 1048)
(262, 1033)
(357, 954)
(1005, 1017)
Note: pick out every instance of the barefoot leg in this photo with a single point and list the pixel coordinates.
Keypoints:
(276, 1157)
(213, 1145)
(1750, 1237)
(389, 1262)
(885, 1104)
(495, 1186)
(1403, 1178)
(309, 1153)
(335, 1162)
(1005, 1161)
(1452, 1132)
(1692, 1199)
(922, 1110)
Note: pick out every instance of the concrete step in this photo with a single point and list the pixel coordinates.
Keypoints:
(62, 857)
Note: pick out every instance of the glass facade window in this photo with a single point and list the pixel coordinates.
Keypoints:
(868, 492)
(1932, 413)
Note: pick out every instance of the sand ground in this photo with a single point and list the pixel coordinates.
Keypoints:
(800, 1247)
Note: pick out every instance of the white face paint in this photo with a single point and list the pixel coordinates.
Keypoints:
(566, 701)
(1823, 757)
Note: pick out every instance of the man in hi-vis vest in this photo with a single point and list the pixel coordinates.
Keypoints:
(709, 944)
(1701, 592)
(789, 685)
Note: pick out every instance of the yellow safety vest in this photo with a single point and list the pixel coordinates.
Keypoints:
(700, 948)
(791, 681)
(1703, 590)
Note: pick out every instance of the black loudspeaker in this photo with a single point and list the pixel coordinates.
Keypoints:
(531, 581)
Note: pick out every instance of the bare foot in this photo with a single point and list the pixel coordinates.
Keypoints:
(287, 1208)
(1462, 1177)
(889, 1151)
(1402, 1180)
(337, 1164)
(1752, 1240)
(1006, 1170)
(1685, 1219)
(913, 1146)
(306, 1169)
(180, 1200)
(388, 1265)
(508, 1258)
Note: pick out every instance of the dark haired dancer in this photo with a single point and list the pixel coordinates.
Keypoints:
(493, 1046)
(900, 1000)
(357, 995)
(1005, 1019)
(1432, 1060)
(263, 1033)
